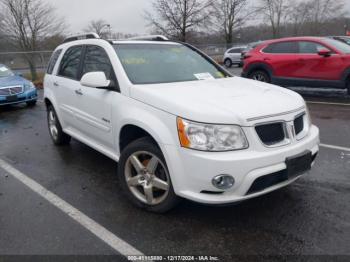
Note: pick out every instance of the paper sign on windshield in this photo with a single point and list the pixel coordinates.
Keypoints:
(204, 76)
(3, 69)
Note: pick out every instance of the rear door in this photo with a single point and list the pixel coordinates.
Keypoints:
(66, 85)
(283, 58)
(314, 66)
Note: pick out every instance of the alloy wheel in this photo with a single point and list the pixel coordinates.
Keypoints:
(259, 77)
(53, 125)
(147, 178)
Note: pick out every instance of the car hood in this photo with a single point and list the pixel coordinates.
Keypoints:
(222, 101)
(12, 81)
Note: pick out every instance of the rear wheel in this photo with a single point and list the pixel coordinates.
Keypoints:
(260, 75)
(58, 136)
(228, 63)
(348, 86)
(144, 177)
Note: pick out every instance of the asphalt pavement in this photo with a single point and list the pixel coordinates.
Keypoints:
(309, 218)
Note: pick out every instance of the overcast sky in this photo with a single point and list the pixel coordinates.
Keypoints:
(124, 15)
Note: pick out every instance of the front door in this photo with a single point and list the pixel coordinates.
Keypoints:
(314, 66)
(95, 105)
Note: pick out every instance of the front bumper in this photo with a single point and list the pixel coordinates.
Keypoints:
(26, 96)
(192, 171)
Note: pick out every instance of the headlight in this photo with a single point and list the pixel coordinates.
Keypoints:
(208, 137)
(29, 86)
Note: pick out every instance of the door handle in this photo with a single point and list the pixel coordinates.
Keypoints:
(56, 84)
(267, 59)
(79, 92)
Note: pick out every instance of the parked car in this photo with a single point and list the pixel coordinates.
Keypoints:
(300, 61)
(14, 89)
(233, 56)
(344, 39)
(179, 124)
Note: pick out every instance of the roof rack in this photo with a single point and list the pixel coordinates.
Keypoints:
(149, 38)
(82, 37)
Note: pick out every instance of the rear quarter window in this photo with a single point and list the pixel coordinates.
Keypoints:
(53, 61)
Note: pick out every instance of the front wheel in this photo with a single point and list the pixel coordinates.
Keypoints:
(144, 177)
(261, 76)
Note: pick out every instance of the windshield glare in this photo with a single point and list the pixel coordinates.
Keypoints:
(340, 46)
(5, 72)
(165, 63)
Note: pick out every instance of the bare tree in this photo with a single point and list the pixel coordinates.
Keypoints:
(100, 27)
(26, 23)
(176, 18)
(230, 15)
(276, 12)
(300, 15)
(323, 10)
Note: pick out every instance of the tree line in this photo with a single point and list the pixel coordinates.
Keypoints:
(185, 19)
(32, 25)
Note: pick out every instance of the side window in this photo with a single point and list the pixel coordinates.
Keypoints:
(70, 63)
(235, 51)
(282, 48)
(53, 61)
(310, 47)
(97, 60)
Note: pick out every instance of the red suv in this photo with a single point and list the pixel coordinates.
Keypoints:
(300, 61)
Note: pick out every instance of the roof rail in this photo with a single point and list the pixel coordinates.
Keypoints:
(81, 37)
(149, 38)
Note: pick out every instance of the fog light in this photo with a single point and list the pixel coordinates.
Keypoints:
(223, 182)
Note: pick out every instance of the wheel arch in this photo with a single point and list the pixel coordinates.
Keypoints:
(260, 66)
(140, 123)
(130, 133)
(345, 76)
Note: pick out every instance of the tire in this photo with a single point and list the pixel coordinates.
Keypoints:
(142, 167)
(260, 75)
(241, 65)
(228, 63)
(59, 138)
(348, 86)
(31, 103)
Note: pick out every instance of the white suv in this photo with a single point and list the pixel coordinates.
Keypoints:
(179, 125)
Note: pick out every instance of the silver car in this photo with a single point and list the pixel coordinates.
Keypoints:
(233, 56)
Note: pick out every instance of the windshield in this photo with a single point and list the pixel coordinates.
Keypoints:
(165, 63)
(5, 72)
(346, 40)
(340, 46)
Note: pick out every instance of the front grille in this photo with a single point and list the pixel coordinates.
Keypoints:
(299, 125)
(271, 134)
(10, 91)
(16, 101)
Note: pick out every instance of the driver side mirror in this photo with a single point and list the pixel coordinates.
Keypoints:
(324, 52)
(95, 80)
